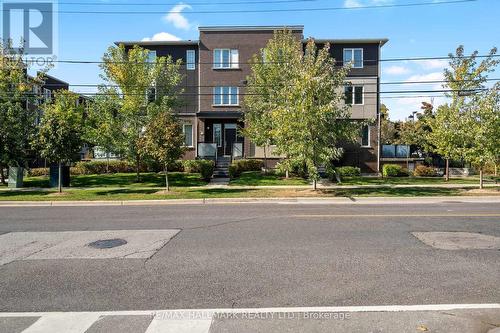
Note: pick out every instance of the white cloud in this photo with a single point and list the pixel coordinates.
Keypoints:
(433, 64)
(161, 36)
(175, 16)
(435, 76)
(396, 70)
(361, 3)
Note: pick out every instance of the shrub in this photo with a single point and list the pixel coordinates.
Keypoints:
(424, 171)
(204, 167)
(295, 167)
(348, 171)
(100, 167)
(394, 170)
(35, 172)
(239, 166)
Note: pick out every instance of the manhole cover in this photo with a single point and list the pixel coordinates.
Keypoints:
(108, 243)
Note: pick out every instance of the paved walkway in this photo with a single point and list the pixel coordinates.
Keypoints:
(471, 318)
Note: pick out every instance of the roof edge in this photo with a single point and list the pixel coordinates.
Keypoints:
(381, 41)
(250, 27)
(157, 42)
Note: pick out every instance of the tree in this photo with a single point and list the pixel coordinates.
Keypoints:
(303, 93)
(163, 139)
(140, 82)
(60, 134)
(388, 130)
(457, 128)
(105, 125)
(17, 111)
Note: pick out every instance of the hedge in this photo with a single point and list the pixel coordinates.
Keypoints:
(36, 172)
(394, 170)
(204, 167)
(239, 166)
(425, 171)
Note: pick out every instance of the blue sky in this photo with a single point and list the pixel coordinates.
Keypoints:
(412, 31)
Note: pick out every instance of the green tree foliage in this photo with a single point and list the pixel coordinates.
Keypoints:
(467, 127)
(140, 81)
(298, 100)
(59, 138)
(163, 138)
(17, 109)
(388, 131)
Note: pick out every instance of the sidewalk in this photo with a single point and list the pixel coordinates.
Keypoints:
(285, 201)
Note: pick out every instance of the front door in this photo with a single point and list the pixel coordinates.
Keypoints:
(229, 138)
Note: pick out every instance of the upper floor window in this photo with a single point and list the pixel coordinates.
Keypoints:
(226, 58)
(190, 59)
(354, 56)
(353, 95)
(47, 94)
(151, 56)
(226, 96)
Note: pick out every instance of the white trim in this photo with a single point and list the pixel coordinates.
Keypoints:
(190, 63)
(353, 97)
(352, 56)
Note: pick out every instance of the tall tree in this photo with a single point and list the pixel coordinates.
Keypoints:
(388, 128)
(17, 108)
(163, 139)
(140, 80)
(456, 127)
(60, 135)
(308, 116)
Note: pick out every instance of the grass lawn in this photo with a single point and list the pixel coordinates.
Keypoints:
(176, 179)
(199, 193)
(257, 178)
(412, 180)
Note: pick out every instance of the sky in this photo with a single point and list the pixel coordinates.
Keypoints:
(420, 31)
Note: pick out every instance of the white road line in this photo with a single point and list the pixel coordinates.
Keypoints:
(377, 308)
(161, 325)
(71, 322)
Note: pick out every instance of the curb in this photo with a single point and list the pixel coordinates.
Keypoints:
(297, 200)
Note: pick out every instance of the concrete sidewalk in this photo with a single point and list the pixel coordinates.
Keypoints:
(284, 200)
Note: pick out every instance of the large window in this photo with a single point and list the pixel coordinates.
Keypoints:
(187, 129)
(365, 136)
(226, 96)
(226, 58)
(354, 56)
(190, 59)
(353, 95)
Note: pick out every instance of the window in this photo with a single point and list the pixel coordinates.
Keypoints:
(151, 57)
(353, 95)
(365, 136)
(226, 58)
(354, 56)
(217, 135)
(190, 59)
(187, 129)
(226, 96)
(47, 94)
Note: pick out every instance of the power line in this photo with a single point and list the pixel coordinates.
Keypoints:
(245, 86)
(190, 3)
(247, 11)
(252, 62)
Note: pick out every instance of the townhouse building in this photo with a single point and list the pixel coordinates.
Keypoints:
(215, 71)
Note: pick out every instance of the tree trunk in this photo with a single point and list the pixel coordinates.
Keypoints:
(286, 174)
(59, 177)
(447, 169)
(137, 166)
(481, 178)
(2, 175)
(496, 170)
(107, 163)
(265, 160)
(167, 185)
(315, 184)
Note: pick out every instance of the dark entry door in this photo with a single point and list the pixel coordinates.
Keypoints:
(229, 139)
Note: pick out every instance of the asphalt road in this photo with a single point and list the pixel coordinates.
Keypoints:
(258, 255)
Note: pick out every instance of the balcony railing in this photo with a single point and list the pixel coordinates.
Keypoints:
(207, 150)
(237, 150)
(395, 151)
